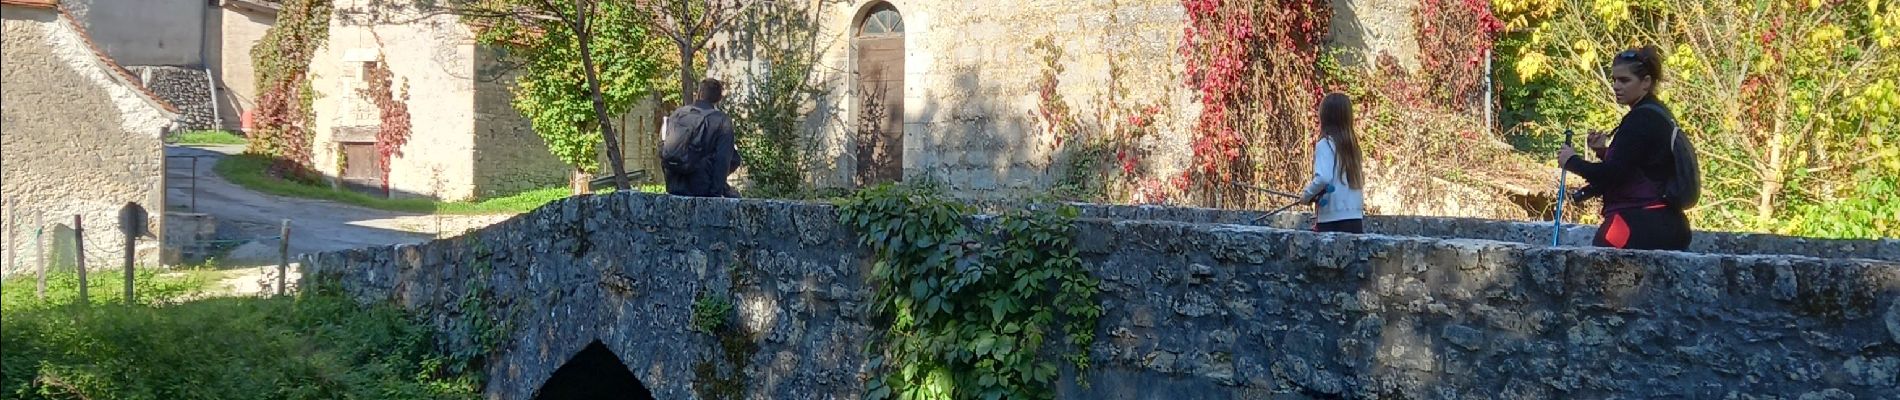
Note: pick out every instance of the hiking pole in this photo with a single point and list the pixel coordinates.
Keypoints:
(1557, 224)
(1275, 211)
(1264, 190)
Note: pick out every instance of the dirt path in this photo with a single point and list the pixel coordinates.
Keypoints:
(316, 225)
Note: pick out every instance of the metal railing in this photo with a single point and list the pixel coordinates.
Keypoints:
(187, 181)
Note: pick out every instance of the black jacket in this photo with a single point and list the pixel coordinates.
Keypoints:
(710, 181)
(1637, 161)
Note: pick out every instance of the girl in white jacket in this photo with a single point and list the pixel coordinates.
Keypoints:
(1337, 179)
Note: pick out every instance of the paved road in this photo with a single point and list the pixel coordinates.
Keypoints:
(316, 225)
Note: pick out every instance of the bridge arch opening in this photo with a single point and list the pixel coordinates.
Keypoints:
(594, 373)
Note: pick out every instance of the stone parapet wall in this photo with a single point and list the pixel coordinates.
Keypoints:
(1192, 310)
(1527, 232)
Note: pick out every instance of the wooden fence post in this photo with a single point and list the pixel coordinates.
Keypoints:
(79, 253)
(283, 254)
(132, 220)
(39, 251)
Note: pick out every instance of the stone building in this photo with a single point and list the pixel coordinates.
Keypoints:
(196, 54)
(232, 27)
(949, 90)
(81, 137)
(957, 80)
(950, 85)
(467, 140)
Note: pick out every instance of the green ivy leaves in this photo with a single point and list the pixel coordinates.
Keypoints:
(969, 309)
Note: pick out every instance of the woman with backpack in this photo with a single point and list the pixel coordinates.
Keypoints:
(1638, 165)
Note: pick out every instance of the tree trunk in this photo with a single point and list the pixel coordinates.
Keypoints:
(1771, 180)
(578, 183)
(584, 33)
(688, 86)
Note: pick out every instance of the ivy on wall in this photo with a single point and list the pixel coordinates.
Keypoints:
(283, 112)
(392, 107)
(969, 310)
(1255, 67)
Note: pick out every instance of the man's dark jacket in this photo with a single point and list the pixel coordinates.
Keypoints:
(710, 179)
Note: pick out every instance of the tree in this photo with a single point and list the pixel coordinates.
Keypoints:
(1791, 103)
(779, 46)
(691, 25)
(561, 38)
(566, 103)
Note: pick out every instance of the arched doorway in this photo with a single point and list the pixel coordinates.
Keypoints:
(879, 42)
(595, 373)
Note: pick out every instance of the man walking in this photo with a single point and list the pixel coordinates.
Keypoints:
(699, 152)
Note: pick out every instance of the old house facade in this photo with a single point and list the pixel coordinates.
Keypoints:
(948, 88)
(950, 91)
(232, 28)
(81, 138)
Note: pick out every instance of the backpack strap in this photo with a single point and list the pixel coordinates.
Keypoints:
(1675, 132)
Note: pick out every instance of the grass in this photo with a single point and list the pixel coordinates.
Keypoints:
(208, 137)
(20, 293)
(309, 346)
(250, 171)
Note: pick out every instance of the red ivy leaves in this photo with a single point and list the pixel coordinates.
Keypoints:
(1249, 61)
(283, 133)
(282, 60)
(393, 110)
(1453, 39)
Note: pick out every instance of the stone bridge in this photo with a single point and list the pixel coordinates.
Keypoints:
(1200, 304)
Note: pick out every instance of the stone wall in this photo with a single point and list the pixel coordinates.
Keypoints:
(145, 32)
(509, 156)
(80, 139)
(1535, 233)
(969, 84)
(232, 30)
(1364, 29)
(467, 140)
(186, 88)
(1191, 310)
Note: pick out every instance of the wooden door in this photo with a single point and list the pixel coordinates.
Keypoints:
(360, 172)
(880, 125)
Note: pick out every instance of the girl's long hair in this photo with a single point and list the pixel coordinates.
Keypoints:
(1335, 122)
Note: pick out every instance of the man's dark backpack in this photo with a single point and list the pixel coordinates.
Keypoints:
(1684, 189)
(685, 148)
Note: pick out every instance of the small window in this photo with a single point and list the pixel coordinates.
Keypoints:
(368, 68)
(884, 21)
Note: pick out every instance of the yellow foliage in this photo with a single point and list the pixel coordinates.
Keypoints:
(1613, 10)
(1531, 65)
(1827, 38)
(1522, 14)
(1586, 52)
(1683, 58)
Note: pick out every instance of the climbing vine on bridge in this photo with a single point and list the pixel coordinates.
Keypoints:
(485, 328)
(283, 112)
(969, 308)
